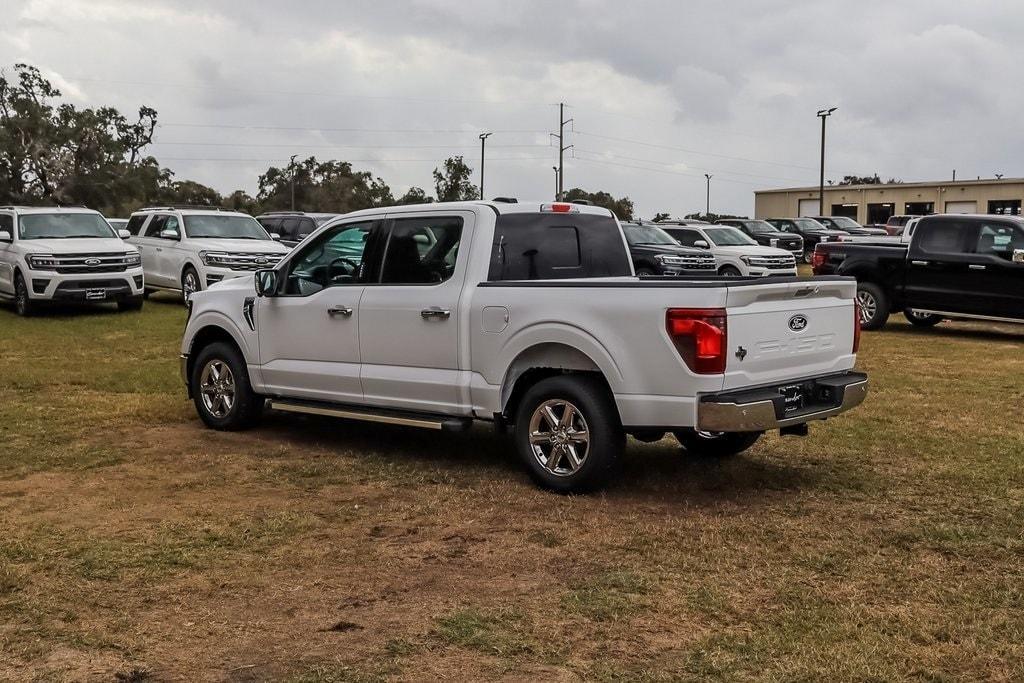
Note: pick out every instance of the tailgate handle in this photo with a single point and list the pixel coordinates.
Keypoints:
(806, 291)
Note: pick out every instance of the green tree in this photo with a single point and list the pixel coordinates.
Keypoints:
(623, 208)
(658, 217)
(322, 186)
(453, 184)
(415, 195)
(860, 180)
(710, 217)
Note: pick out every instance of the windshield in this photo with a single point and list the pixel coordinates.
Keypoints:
(808, 224)
(727, 237)
(646, 234)
(42, 226)
(225, 227)
(845, 222)
(759, 226)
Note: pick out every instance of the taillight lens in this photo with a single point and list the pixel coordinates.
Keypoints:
(818, 258)
(700, 337)
(856, 326)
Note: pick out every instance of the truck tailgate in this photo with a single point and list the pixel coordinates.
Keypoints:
(778, 332)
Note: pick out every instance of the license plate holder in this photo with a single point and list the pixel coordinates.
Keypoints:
(95, 294)
(792, 397)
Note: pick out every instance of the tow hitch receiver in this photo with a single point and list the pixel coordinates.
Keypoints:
(795, 430)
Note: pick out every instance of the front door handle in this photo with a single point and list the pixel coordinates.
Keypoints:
(343, 311)
(919, 263)
(976, 266)
(435, 312)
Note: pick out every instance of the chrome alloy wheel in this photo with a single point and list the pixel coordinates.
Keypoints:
(217, 387)
(189, 285)
(868, 306)
(559, 437)
(918, 315)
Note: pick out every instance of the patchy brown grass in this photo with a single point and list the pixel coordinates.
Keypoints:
(137, 546)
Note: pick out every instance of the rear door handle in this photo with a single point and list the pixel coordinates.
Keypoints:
(919, 263)
(435, 312)
(976, 266)
(343, 311)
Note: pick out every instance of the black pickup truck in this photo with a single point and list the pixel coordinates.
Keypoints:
(955, 266)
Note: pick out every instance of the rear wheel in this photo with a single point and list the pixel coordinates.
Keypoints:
(715, 444)
(919, 319)
(874, 305)
(568, 433)
(221, 391)
(189, 283)
(23, 305)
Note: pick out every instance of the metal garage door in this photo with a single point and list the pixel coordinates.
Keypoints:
(809, 207)
(961, 207)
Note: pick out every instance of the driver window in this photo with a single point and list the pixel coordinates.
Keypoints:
(421, 251)
(172, 224)
(334, 259)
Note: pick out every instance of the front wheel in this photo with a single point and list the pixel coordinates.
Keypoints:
(644, 272)
(919, 319)
(132, 303)
(23, 305)
(568, 433)
(809, 255)
(189, 283)
(715, 444)
(221, 391)
(730, 271)
(874, 305)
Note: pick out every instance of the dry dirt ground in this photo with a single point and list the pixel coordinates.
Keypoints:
(136, 545)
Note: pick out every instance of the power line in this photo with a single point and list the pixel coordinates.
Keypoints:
(432, 160)
(693, 151)
(663, 163)
(317, 129)
(322, 146)
(658, 170)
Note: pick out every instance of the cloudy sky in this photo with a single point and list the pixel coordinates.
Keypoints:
(660, 93)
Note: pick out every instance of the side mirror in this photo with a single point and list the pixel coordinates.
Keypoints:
(169, 234)
(701, 244)
(5, 236)
(1018, 254)
(275, 236)
(266, 282)
(123, 234)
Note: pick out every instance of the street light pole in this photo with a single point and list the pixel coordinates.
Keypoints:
(292, 164)
(483, 141)
(823, 114)
(707, 208)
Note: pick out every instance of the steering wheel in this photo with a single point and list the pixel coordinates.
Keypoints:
(341, 259)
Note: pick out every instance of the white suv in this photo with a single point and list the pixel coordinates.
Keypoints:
(57, 254)
(188, 249)
(735, 253)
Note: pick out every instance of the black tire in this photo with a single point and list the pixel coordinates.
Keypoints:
(595, 413)
(132, 303)
(190, 282)
(146, 292)
(730, 271)
(23, 305)
(715, 444)
(921, 319)
(246, 406)
(874, 305)
(644, 270)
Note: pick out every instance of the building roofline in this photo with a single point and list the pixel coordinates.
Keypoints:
(896, 186)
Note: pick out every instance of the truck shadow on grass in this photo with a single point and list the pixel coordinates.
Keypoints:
(959, 331)
(660, 471)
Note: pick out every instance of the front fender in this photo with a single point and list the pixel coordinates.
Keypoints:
(246, 339)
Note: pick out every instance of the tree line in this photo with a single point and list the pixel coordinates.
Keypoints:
(52, 152)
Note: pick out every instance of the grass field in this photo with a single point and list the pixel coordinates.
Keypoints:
(136, 545)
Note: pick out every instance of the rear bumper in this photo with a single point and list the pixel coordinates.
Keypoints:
(765, 408)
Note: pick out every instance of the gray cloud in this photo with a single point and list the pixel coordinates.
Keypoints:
(922, 86)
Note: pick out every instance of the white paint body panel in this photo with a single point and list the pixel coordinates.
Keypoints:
(465, 365)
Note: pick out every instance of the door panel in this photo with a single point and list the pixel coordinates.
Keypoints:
(409, 322)
(7, 257)
(939, 274)
(997, 279)
(171, 256)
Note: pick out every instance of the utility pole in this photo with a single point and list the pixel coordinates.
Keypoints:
(707, 209)
(562, 147)
(556, 182)
(292, 164)
(823, 114)
(483, 141)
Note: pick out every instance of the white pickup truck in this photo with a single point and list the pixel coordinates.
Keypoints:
(526, 315)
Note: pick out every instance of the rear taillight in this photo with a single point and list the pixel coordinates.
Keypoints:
(856, 326)
(818, 259)
(699, 334)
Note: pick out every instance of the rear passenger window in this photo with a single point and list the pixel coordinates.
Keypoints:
(531, 246)
(421, 251)
(135, 223)
(945, 237)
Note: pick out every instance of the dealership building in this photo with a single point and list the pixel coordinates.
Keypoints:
(875, 203)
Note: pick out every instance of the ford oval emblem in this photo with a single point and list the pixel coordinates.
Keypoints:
(92, 262)
(262, 260)
(798, 323)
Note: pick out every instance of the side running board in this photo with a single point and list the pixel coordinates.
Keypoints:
(406, 419)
